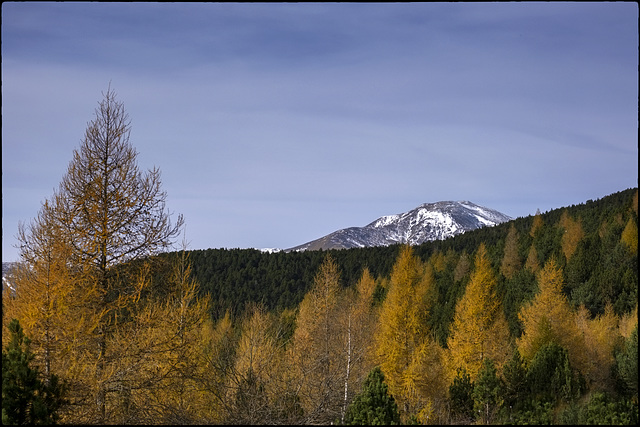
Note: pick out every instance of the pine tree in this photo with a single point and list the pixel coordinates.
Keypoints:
(627, 362)
(461, 397)
(26, 398)
(487, 392)
(479, 329)
(373, 405)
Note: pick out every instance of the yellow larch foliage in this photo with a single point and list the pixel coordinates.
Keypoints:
(532, 263)
(479, 329)
(600, 337)
(572, 235)
(537, 224)
(316, 347)
(511, 260)
(628, 322)
(404, 349)
(548, 317)
(630, 236)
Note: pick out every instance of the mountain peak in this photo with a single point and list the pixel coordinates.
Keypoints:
(429, 221)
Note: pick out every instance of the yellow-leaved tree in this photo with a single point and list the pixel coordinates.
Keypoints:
(357, 321)
(315, 351)
(572, 235)
(511, 259)
(39, 295)
(103, 223)
(549, 318)
(408, 356)
(479, 329)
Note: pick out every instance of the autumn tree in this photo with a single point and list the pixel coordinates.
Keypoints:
(358, 322)
(409, 357)
(536, 224)
(572, 234)
(630, 236)
(157, 354)
(40, 295)
(314, 353)
(258, 386)
(549, 318)
(601, 336)
(511, 259)
(479, 329)
(532, 264)
(107, 214)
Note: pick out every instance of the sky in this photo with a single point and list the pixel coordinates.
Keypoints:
(274, 124)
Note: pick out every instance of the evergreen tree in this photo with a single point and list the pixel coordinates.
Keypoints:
(514, 375)
(487, 392)
(373, 405)
(461, 397)
(627, 362)
(26, 398)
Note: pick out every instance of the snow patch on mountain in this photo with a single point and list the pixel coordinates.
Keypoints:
(429, 221)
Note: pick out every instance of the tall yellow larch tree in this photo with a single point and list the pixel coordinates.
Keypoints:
(601, 335)
(108, 214)
(548, 317)
(630, 236)
(112, 214)
(256, 389)
(462, 267)
(572, 234)
(217, 355)
(532, 264)
(479, 329)
(511, 259)
(161, 354)
(315, 353)
(628, 322)
(405, 350)
(39, 292)
(536, 224)
(357, 321)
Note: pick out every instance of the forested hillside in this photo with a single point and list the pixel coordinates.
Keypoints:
(586, 239)
(530, 321)
(533, 321)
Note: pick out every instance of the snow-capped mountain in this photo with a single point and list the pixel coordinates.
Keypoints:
(429, 221)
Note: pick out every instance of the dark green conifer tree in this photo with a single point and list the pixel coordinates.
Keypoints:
(487, 391)
(26, 399)
(374, 405)
(460, 396)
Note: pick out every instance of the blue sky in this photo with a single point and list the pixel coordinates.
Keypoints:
(275, 124)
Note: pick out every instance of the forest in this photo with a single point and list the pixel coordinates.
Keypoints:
(533, 321)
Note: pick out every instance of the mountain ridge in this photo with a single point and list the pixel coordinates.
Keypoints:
(428, 221)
